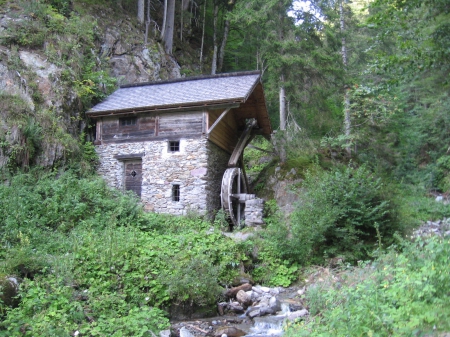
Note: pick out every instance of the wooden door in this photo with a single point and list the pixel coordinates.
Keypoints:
(133, 176)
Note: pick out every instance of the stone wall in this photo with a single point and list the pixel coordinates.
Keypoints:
(217, 164)
(254, 209)
(161, 169)
(196, 168)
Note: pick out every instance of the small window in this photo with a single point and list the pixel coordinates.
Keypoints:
(174, 146)
(175, 192)
(128, 121)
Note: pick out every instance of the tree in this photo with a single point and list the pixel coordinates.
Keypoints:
(347, 118)
(141, 12)
(168, 25)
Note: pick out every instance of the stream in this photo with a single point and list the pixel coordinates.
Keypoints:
(259, 320)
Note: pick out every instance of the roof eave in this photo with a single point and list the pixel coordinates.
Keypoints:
(169, 108)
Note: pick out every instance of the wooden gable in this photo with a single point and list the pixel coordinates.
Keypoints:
(217, 106)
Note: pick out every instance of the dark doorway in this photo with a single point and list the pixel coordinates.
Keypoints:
(133, 176)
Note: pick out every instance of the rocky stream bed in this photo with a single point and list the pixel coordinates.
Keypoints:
(261, 311)
(250, 311)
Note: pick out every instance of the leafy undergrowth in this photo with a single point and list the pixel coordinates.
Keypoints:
(92, 261)
(399, 294)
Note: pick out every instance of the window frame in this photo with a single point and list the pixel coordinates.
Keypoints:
(128, 121)
(176, 192)
(173, 146)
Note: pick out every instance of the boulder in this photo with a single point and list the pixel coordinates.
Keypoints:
(229, 331)
(297, 314)
(274, 304)
(243, 298)
(185, 332)
(231, 293)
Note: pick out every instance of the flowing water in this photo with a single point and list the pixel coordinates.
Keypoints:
(269, 325)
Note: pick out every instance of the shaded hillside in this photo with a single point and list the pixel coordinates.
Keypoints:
(54, 64)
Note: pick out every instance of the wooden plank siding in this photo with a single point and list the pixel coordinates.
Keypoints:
(180, 123)
(150, 127)
(224, 134)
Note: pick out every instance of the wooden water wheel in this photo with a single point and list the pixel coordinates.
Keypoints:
(232, 193)
(234, 182)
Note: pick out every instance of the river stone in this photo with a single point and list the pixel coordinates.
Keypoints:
(185, 332)
(229, 331)
(297, 314)
(274, 304)
(243, 298)
(230, 293)
(164, 333)
(254, 312)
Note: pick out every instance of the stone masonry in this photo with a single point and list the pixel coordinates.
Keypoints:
(197, 168)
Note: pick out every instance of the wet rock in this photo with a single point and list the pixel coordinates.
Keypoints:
(254, 312)
(229, 331)
(274, 304)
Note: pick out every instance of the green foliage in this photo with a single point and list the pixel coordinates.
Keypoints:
(397, 295)
(192, 281)
(52, 202)
(416, 206)
(443, 168)
(340, 214)
(92, 261)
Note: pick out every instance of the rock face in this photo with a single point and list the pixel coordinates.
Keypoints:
(133, 63)
(44, 86)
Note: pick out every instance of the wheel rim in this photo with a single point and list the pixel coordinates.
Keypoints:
(233, 183)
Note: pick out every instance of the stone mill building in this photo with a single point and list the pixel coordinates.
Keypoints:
(172, 141)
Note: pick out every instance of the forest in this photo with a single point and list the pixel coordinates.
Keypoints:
(359, 95)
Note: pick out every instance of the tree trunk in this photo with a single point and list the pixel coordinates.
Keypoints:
(185, 4)
(163, 29)
(226, 30)
(282, 104)
(214, 58)
(141, 12)
(347, 117)
(147, 22)
(203, 35)
(181, 22)
(169, 29)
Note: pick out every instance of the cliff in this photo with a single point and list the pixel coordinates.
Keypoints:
(55, 64)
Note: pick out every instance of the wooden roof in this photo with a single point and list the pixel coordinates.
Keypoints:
(243, 91)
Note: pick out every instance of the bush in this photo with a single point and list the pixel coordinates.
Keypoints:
(92, 261)
(397, 295)
(344, 212)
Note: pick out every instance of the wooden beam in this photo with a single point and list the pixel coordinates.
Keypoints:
(218, 120)
(245, 138)
(128, 156)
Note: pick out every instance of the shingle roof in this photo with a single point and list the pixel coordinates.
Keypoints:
(222, 88)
